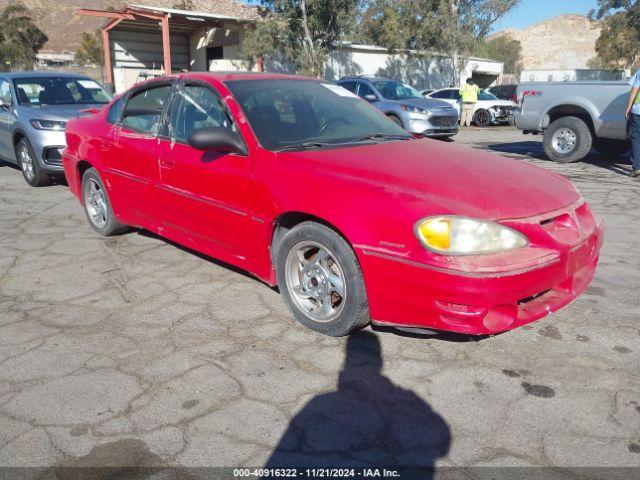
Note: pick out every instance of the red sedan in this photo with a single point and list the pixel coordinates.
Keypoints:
(310, 188)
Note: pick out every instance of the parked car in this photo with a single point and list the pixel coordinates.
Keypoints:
(426, 92)
(34, 109)
(405, 106)
(505, 92)
(490, 110)
(310, 188)
(575, 116)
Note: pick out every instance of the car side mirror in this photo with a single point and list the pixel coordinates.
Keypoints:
(370, 97)
(219, 139)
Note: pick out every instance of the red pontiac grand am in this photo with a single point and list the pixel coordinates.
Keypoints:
(312, 189)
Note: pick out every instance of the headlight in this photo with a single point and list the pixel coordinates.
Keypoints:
(450, 235)
(412, 109)
(48, 124)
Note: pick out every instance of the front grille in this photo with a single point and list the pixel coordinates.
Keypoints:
(571, 226)
(444, 121)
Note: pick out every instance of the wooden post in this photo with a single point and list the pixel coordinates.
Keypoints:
(106, 51)
(166, 45)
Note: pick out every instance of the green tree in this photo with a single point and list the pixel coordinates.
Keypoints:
(304, 32)
(618, 45)
(20, 39)
(453, 27)
(89, 52)
(502, 48)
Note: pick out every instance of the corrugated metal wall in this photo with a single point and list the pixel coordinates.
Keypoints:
(143, 50)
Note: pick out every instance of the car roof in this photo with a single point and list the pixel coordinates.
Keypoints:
(231, 76)
(41, 74)
(365, 77)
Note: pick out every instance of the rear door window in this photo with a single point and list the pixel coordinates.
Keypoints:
(144, 108)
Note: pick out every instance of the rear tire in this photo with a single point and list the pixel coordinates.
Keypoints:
(320, 280)
(611, 148)
(567, 139)
(28, 163)
(98, 207)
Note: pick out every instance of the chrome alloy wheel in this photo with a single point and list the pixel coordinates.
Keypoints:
(315, 281)
(564, 140)
(96, 203)
(26, 162)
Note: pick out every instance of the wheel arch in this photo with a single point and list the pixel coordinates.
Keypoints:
(17, 136)
(290, 219)
(570, 110)
(82, 167)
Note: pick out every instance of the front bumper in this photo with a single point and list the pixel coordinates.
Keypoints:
(432, 125)
(48, 147)
(482, 298)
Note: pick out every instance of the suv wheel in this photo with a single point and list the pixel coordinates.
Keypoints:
(29, 165)
(97, 205)
(567, 139)
(320, 280)
(395, 119)
(481, 118)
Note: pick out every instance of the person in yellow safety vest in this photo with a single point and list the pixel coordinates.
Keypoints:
(633, 115)
(469, 97)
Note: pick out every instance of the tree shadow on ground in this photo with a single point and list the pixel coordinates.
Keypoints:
(367, 422)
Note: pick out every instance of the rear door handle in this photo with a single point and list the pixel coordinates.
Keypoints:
(166, 162)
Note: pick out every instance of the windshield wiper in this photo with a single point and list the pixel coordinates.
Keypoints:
(303, 146)
(376, 136)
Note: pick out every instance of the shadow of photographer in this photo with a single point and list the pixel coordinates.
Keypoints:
(367, 422)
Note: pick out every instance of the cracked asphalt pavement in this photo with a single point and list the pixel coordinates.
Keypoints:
(133, 351)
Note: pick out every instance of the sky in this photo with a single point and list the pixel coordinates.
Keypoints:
(534, 11)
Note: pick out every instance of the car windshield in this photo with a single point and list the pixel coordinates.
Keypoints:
(484, 95)
(291, 113)
(60, 91)
(395, 91)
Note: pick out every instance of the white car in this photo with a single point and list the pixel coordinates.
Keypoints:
(490, 110)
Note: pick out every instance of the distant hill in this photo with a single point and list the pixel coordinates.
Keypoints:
(563, 42)
(56, 17)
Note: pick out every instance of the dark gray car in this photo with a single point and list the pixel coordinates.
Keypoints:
(34, 109)
(405, 105)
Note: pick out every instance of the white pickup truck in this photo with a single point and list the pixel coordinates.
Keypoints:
(575, 116)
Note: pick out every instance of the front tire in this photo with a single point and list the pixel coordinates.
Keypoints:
(482, 118)
(320, 280)
(98, 207)
(567, 139)
(28, 163)
(395, 119)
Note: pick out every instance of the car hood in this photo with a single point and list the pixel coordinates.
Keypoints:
(58, 112)
(426, 103)
(498, 103)
(446, 179)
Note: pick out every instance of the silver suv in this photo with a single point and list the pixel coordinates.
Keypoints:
(405, 105)
(34, 109)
